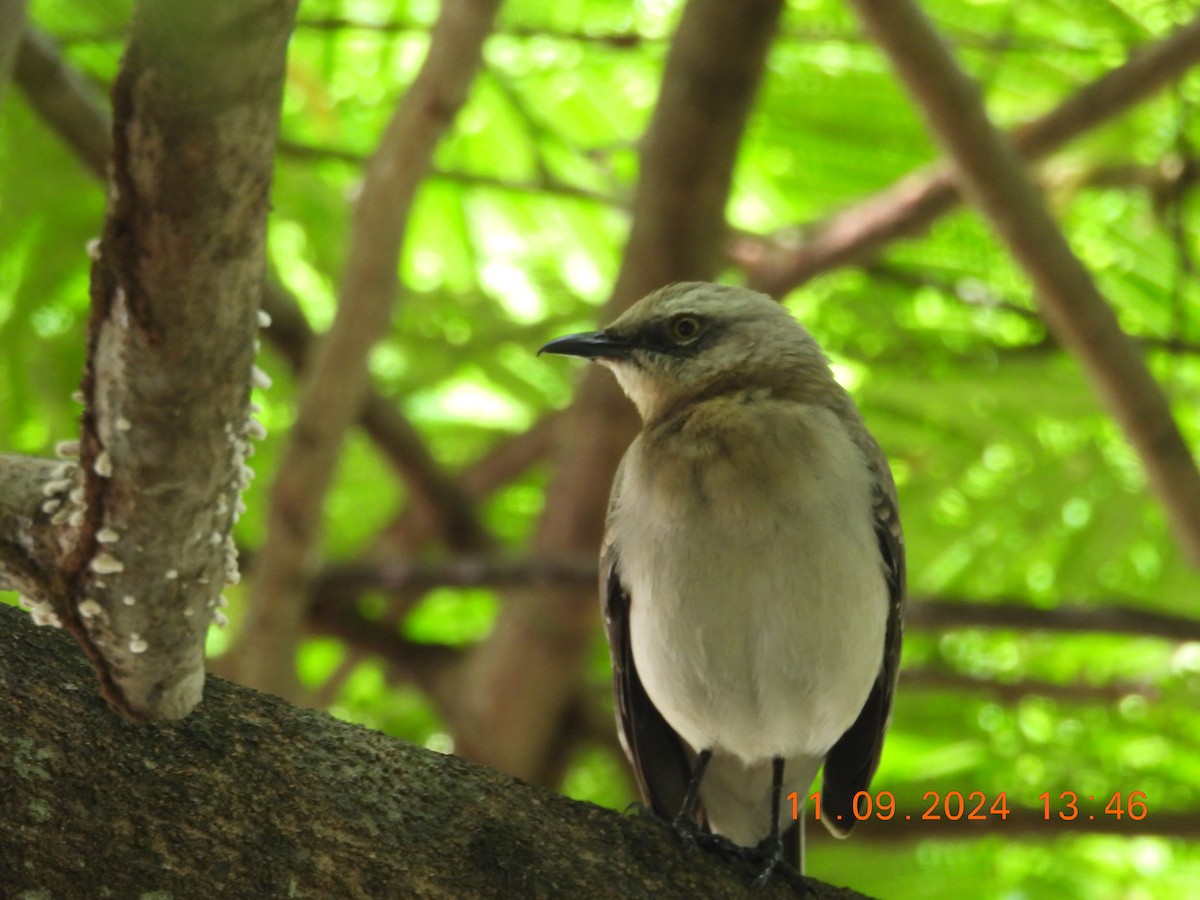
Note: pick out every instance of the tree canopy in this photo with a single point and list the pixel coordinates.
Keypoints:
(456, 184)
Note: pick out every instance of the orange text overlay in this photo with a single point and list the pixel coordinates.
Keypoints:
(977, 806)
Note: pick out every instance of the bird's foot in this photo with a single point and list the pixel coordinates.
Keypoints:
(639, 810)
(691, 834)
(769, 855)
(772, 864)
(697, 838)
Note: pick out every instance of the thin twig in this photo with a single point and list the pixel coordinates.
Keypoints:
(546, 184)
(1099, 615)
(337, 381)
(65, 101)
(1076, 313)
(12, 24)
(1017, 690)
(907, 208)
(444, 509)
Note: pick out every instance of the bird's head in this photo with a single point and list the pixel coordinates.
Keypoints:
(694, 340)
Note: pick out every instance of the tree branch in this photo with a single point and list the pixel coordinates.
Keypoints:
(435, 669)
(544, 184)
(926, 679)
(1074, 310)
(506, 460)
(333, 593)
(29, 540)
(62, 97)
(856, 235)
(976, 293)
(1098, 617)
(1101, 615)
(64, 100)
(336, 385)
(251, 797)
(510, 457)
(258, 798)
(524, 677)
(12, 25)
(445, 510)
(174, 292)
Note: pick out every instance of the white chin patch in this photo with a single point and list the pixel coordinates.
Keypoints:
(634, 383)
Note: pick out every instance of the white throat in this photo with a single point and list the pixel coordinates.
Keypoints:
(637, 384)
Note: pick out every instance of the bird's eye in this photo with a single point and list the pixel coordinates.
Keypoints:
(685, 329)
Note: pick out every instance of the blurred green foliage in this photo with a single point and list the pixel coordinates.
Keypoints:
(1014, 483)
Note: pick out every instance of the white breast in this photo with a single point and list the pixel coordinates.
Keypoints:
(758, 600)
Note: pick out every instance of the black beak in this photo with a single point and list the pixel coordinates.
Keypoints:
(589, 345)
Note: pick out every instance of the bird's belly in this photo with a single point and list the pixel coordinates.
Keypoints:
(762, 639)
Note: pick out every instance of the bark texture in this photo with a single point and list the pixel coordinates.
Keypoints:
(251, 797)
(142, 524)
(29, 546)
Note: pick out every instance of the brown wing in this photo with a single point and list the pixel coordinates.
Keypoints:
(853, 760)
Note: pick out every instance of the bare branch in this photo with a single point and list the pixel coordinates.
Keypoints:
(443, 507)
(434, 668)
(504, 462)
(1019, 689)
(545, 184)
(29, 541)
(627, 40)
(1095, 617)
(1073, 307)
(511, 457)
(523, 679)
(617, 39)
(170, 345)
(438, 500)
(462, 572)
(508, 459)
(857, 234)
(65, 100)
(251, 797)
(12, 25)
(1100, 615)
(973, 292)
(336, 385)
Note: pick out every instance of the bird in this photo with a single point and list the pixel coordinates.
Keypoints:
(752, 573)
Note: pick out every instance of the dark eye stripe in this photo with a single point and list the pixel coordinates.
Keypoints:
(656, 337)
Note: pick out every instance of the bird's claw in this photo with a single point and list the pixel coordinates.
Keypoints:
(688, 832)
(697, 838)
(769, 855)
